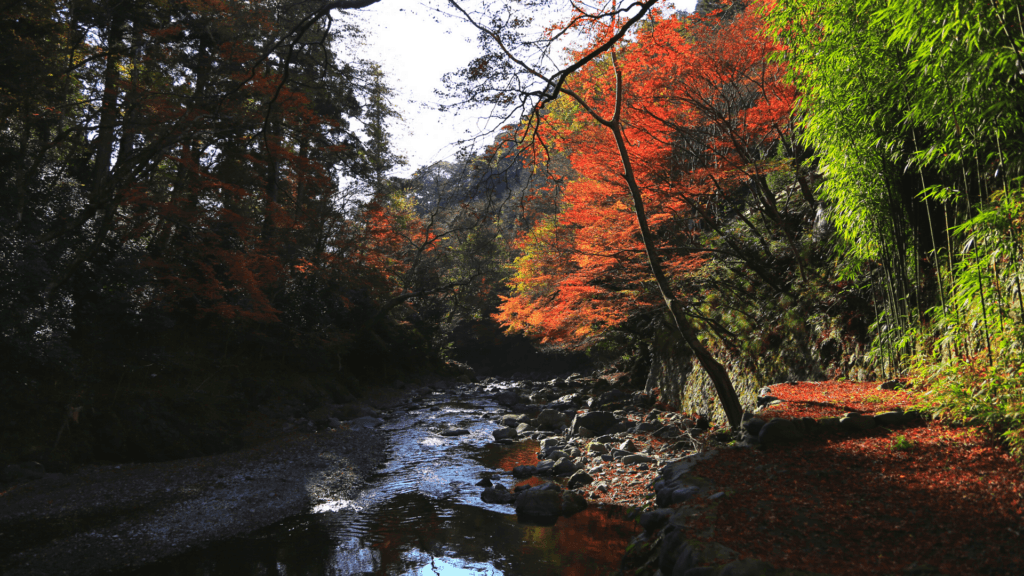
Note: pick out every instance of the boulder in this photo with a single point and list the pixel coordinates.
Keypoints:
(548, 443)
(648, 426)
(578, 479)
(597, 421)
(503, 433)
(889, 418)
(513, 420)
(853, 422)
(828, 424)
(499, 494)
(545, 467)
(539, 505)
(564, 466)
(778, 430)
(753, 425)
(524, 428)
(524, 471)
(550, 419)
(509, 398)
(628, 446)
(637, 459)
(556, 455)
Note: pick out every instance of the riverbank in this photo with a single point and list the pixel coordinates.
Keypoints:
(102, 518)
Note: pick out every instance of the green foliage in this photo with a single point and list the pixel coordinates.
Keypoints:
(901, 444)
(915, 109)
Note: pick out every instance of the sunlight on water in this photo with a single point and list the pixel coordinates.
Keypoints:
(455, 567)
(335, 506)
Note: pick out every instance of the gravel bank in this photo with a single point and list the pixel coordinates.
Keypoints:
(103, 518)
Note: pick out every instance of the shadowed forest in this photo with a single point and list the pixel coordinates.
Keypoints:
(201, 230)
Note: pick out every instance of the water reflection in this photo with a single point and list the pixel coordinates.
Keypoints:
(422, 515)
(416, 534)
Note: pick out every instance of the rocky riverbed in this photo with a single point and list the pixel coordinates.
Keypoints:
(595, 444)
(102, 518)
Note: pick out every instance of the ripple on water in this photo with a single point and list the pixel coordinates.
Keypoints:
(422, 514)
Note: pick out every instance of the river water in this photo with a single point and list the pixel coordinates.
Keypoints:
(421, 513)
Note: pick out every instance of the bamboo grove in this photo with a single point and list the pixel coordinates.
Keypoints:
(915, 110)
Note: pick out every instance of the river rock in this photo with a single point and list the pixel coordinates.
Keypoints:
(564, 466)
(585, 432)
(485, 483)
(544, 467)
(628, 446)
(617, 454)
(648, 426)
(548, 443)
(597, 448)
(637, 459)
(524, 471)
(550, 419)
(578, 479)
(504, 433)
(598, 422)
(513, 420)
(455, 432)
(539, 505)
(509, 398)
(776, 431)
(556, 455)
(499, 494)
(524, 428)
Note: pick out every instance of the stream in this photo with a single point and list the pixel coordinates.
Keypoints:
(421, 512)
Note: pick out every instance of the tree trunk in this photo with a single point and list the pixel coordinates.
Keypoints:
(714, 369)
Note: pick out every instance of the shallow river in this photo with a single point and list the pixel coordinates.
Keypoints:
(421, 513)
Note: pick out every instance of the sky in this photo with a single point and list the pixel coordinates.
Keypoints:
(416, 45)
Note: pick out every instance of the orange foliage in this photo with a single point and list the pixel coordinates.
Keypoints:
(701, 105)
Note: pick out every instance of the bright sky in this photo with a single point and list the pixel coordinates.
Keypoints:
(416, 45)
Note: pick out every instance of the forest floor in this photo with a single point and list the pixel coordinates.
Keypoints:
(927, 497)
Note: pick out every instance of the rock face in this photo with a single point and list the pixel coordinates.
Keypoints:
(597, 422)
